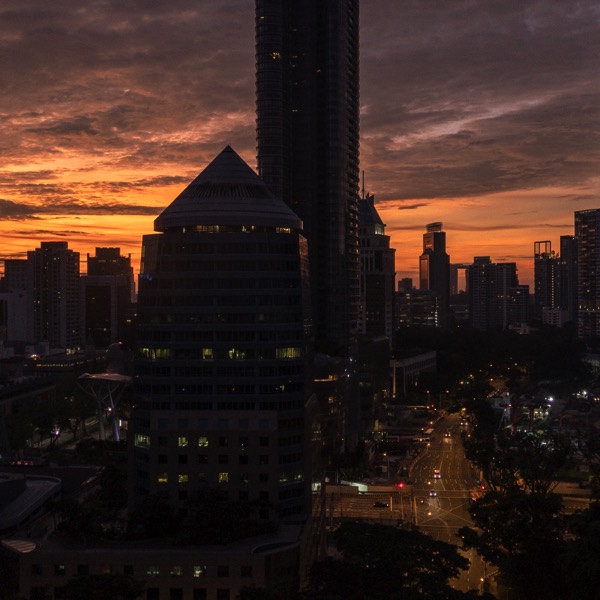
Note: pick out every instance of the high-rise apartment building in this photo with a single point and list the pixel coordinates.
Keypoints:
(546, 277)
(434, 269)
(378, 273)
(56, 295)
(587, 235)
(568, 276)
(307, 99)
(223, 324)
(109, 291)
(492, 289)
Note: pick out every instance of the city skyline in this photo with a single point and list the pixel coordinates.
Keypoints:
(486, 120)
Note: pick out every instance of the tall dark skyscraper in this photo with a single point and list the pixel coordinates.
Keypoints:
(434, 269)
(568, 275)
(307, 98)
(587, 235)
(546, 278)
(223, 324)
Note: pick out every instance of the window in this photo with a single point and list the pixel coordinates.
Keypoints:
(244, 442)
(244, 478)
(199, 594)
(222, 594)
(223, 441)
(60, 570)
(223, 571)
(176, 594)
(263, 441)
(176, 571)
(162, 478)
(202, 459)
(202, 442)
(223, 459)
(127, 569)
(182, 478)
(153, 594)
(223, 478)
(246, 570)
(141, 441)
(202, 477)
(153, 571)
(263, 459)
(243, 459)
(162, 459)
(106, 569)
(182, 441)
(199, 570)
(263, 477)
(182, 459)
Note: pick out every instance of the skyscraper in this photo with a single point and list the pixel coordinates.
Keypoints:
(545, 278)
(223, 324)
(56, 295)
(109, 293)
(307, 99)
(377, 271)
(434, 269)
(587, 235)
(568, 275)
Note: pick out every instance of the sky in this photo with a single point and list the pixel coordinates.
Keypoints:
(481, 114)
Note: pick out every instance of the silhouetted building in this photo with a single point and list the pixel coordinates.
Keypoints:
(377, 273)
(587, 234)
(434, 269)
(109, 292)
(568, 276)
(221, 386)
(56, 295)
(16, 318)
(546, 278)
(490, 289)
(307, 99)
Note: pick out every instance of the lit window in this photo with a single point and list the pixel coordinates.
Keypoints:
(223, 478)
(141, 440)
(182, 441)
(288, 352)
(162, 478)
(176, 571)
(153, 572)
(202, 441)
(182, 478)
(207, 353)
(199, 570)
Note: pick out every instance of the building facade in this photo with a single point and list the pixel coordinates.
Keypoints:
(307, 102)
(223, 330)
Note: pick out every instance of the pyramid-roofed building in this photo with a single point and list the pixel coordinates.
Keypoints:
(227, 192)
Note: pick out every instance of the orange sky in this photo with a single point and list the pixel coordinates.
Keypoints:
(484, 116)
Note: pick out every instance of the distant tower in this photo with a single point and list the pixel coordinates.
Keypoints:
(546, 267)
(307, 104)
(568, 275)
(434, 269)
(56, 295)
(109, 293)
(492, 289)
(223, 324)
(587, 235)
(377, 273)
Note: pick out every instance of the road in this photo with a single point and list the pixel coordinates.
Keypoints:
(439, 516)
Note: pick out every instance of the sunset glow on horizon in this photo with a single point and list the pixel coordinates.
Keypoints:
(484, 116)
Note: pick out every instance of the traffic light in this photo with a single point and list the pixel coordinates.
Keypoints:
(400, 484)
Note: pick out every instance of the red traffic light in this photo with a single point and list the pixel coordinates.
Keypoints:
(400, 484)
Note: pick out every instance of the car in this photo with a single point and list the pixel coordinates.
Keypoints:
(432, 494)
(437, 474)
(447, 434)
(380, 504)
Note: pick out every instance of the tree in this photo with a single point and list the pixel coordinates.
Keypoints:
(379, 562)
(520, 533)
